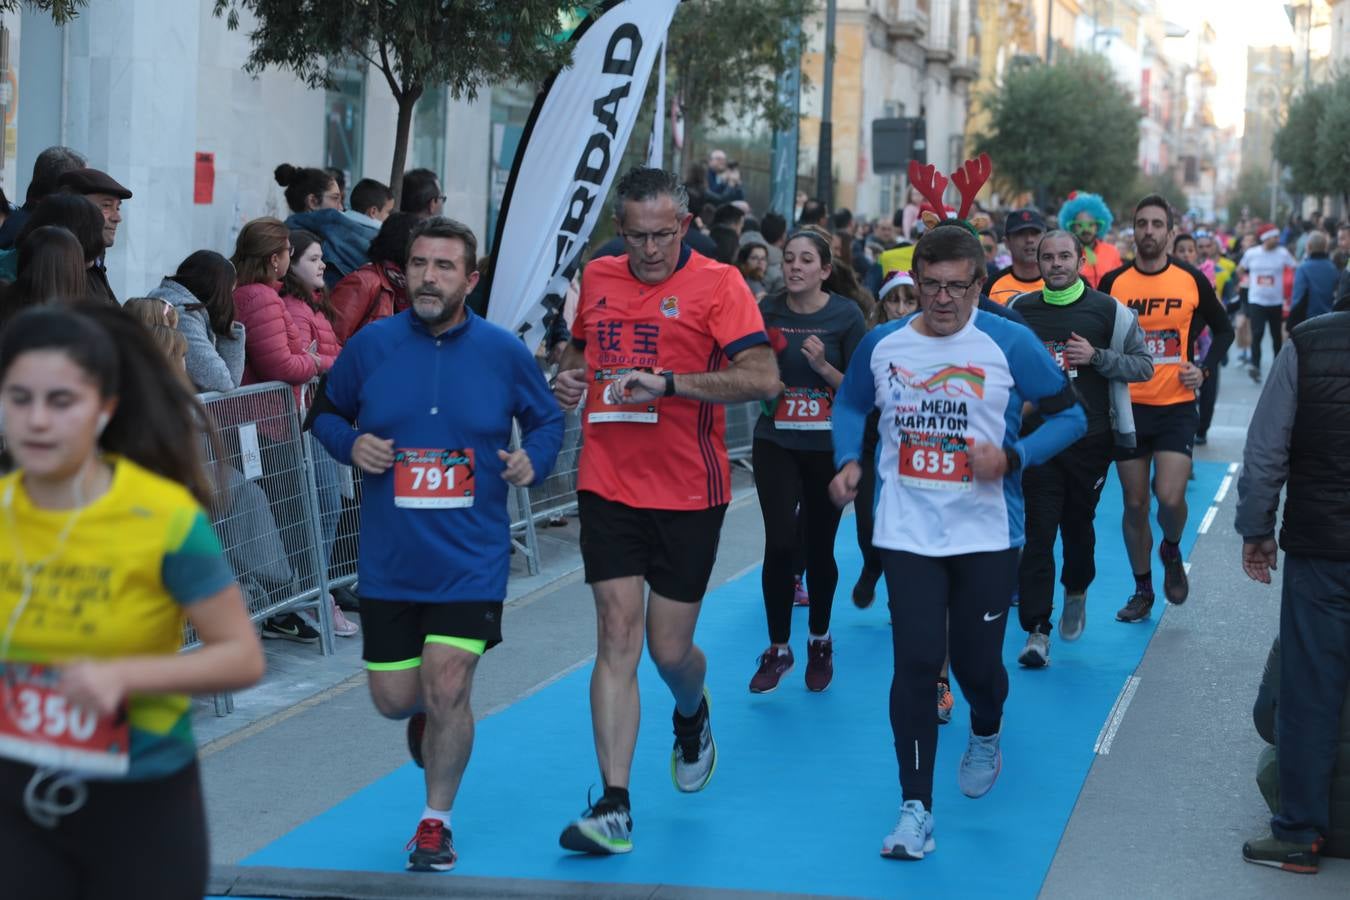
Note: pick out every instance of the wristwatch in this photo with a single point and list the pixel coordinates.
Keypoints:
(670, 383)
(1014, 461)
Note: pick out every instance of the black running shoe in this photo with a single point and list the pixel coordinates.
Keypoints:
(1137, 609)
(1176, 586)
(417, 727)
(290, 627)
(1286, 855)
(433, 849)
(602, 830)
(865, 589)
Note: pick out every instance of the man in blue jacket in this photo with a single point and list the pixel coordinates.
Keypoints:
(422, 403)
(1314, 281)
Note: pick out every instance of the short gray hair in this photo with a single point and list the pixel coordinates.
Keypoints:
(641, 183)
(1318, 242)
(445, 227)
(1060, 233)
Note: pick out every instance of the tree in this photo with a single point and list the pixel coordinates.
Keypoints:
(1164, 184)
(1251, 196)
(725, 59)
(1295, 143)
(1062, 127)
(414, 44)
(1332, 144)
(62, 10)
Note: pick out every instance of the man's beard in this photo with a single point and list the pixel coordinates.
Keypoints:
(450, 307)
(1142, 253)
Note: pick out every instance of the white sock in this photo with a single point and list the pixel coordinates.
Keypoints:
(820, 637)
(442, 814)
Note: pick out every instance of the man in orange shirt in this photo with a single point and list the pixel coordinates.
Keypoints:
(662, 338)
(1022, 232)
(1174, 302)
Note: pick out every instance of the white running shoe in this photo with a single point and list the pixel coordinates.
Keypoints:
(912, 836)
(980, 765)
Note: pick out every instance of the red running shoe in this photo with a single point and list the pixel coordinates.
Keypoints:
(432, 848)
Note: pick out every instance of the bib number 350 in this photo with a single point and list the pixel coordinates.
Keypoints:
(40, 726)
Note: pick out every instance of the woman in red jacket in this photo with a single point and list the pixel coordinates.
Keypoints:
(274, 351)
(306, 301)
(377, 289)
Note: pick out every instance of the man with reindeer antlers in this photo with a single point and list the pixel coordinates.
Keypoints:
(950, 383)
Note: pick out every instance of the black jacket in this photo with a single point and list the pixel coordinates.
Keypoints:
(1317, 508)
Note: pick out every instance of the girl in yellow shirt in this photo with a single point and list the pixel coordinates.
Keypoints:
(105, 552)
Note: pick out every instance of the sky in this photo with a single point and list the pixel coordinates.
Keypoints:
(1238, 24)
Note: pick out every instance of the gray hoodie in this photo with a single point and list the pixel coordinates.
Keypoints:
(214, 363)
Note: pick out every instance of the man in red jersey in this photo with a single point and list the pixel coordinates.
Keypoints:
(662, 337)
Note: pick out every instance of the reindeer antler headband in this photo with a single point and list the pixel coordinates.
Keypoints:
(969, 178)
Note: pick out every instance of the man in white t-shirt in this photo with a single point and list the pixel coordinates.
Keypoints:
(1265, 264)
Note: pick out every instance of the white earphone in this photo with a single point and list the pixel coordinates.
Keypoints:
(103, 419)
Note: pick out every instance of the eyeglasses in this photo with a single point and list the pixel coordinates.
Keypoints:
(955, 289)
(638, 239)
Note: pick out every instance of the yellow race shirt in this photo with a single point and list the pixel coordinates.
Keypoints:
(116, 586)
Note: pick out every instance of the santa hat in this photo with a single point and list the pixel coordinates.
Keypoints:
(893, 281)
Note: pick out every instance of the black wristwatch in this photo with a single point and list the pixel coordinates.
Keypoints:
(670, 383)
(1014, 461)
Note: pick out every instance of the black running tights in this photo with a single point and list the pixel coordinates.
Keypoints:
(956, 603)
(783, 478)
(131, 840)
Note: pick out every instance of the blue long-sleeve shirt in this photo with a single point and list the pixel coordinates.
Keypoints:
(458, 391)
(1314, 287)
(939, 399)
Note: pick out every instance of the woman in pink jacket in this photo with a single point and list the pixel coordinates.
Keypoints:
(307, 303)
(273, 351)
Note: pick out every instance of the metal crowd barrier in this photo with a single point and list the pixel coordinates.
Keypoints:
(288, 515)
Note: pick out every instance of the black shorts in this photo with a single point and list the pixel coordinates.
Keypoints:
(394, 631)
(673, 549)
(1170, 428)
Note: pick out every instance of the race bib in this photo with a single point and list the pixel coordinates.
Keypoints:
(1265, 280)
(433, 479)
(610, 406)
(1164, 346)
(804, 409)
(1057, 349)
(41, 727)
(935, 462)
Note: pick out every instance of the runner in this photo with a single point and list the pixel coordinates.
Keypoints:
(815, 333)
(653, 333)
(1174, 302)
(107, 553)
(1022, 232)
(1266, 264)
(1100, 346)
(950, 384)
(1089, 218)
(422, 402)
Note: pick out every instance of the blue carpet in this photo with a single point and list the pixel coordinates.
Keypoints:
(806, 785)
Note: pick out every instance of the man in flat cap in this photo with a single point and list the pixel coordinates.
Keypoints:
(107, 195)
